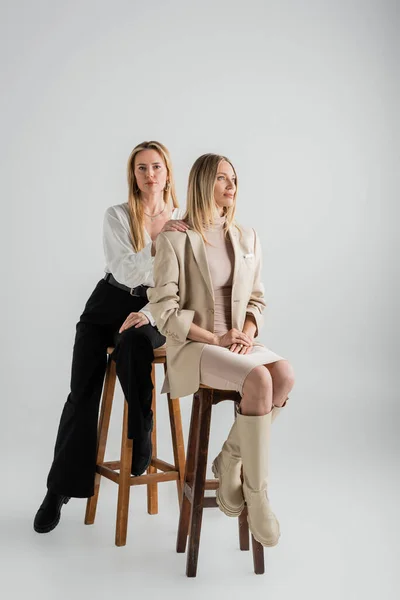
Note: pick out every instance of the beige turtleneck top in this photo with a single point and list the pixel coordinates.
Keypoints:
(221, 262)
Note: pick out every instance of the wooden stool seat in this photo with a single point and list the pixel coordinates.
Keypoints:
(195, 483)
(119, 471)
(159, 354)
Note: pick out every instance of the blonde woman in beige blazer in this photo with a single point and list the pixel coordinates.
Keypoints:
(208, 301)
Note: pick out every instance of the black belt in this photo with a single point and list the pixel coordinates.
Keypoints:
(139, 291)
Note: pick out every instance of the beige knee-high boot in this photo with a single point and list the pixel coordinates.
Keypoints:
(227, 468)
(276, 410)
(254, 437)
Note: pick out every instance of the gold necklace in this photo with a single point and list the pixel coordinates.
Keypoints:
(152, 217)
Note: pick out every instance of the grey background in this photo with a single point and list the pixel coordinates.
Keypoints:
(303, 97)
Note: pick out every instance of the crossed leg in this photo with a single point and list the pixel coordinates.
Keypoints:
(282, 375)
(267, 386)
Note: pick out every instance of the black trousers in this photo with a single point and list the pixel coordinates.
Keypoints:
(73, 469)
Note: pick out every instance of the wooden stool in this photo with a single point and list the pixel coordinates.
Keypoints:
(123, 478)
(195, 483)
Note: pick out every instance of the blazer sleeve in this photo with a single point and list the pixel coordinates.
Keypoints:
(256, 304)
(171, 321)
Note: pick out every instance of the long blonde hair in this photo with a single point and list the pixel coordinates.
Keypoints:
(136, 213)
(200, 209)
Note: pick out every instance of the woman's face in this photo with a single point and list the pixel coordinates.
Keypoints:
(150, 172)
(225, 185)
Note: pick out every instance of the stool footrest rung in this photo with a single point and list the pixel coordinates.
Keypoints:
(112, 464)
(146, 479)
(211, 484)
(154, 478)
(208, 501)
(159, 464)
(108, 473)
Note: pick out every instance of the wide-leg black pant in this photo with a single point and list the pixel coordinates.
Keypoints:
(73, 469)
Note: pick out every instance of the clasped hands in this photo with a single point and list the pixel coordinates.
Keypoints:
(237, 341)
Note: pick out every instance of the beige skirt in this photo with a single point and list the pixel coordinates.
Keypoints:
(224, 370)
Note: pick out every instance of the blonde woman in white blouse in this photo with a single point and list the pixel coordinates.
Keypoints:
(208, 300)
(115, 314)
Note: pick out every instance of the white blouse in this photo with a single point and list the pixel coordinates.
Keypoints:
(127, 266)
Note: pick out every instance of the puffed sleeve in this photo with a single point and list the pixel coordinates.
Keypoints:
(171, 321)
(256, 302)
(128, 267)
(180, 213)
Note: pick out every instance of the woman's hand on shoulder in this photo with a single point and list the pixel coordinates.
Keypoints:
(175, 225)
(172, 225)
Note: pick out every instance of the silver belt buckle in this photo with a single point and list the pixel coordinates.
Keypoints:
(132, 292)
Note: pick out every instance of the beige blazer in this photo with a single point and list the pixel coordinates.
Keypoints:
(183, 294)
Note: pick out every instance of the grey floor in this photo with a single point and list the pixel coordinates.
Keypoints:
(336, 495)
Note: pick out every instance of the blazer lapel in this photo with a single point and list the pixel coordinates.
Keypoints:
(233, 234)
(235, 306)
(200, 256)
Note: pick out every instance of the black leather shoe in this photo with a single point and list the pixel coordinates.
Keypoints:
(49, 513)
(142, 453)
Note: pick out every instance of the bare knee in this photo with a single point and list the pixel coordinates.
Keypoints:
(282, 374)
(288, 375)
(257, 391)
(283, 381)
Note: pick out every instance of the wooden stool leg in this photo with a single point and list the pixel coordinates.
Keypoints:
(104, 422)
(178, 444)
(184, 519)
(124, 482)
(206, 397)
(258, 557)
(244, 538)
(152, 488)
